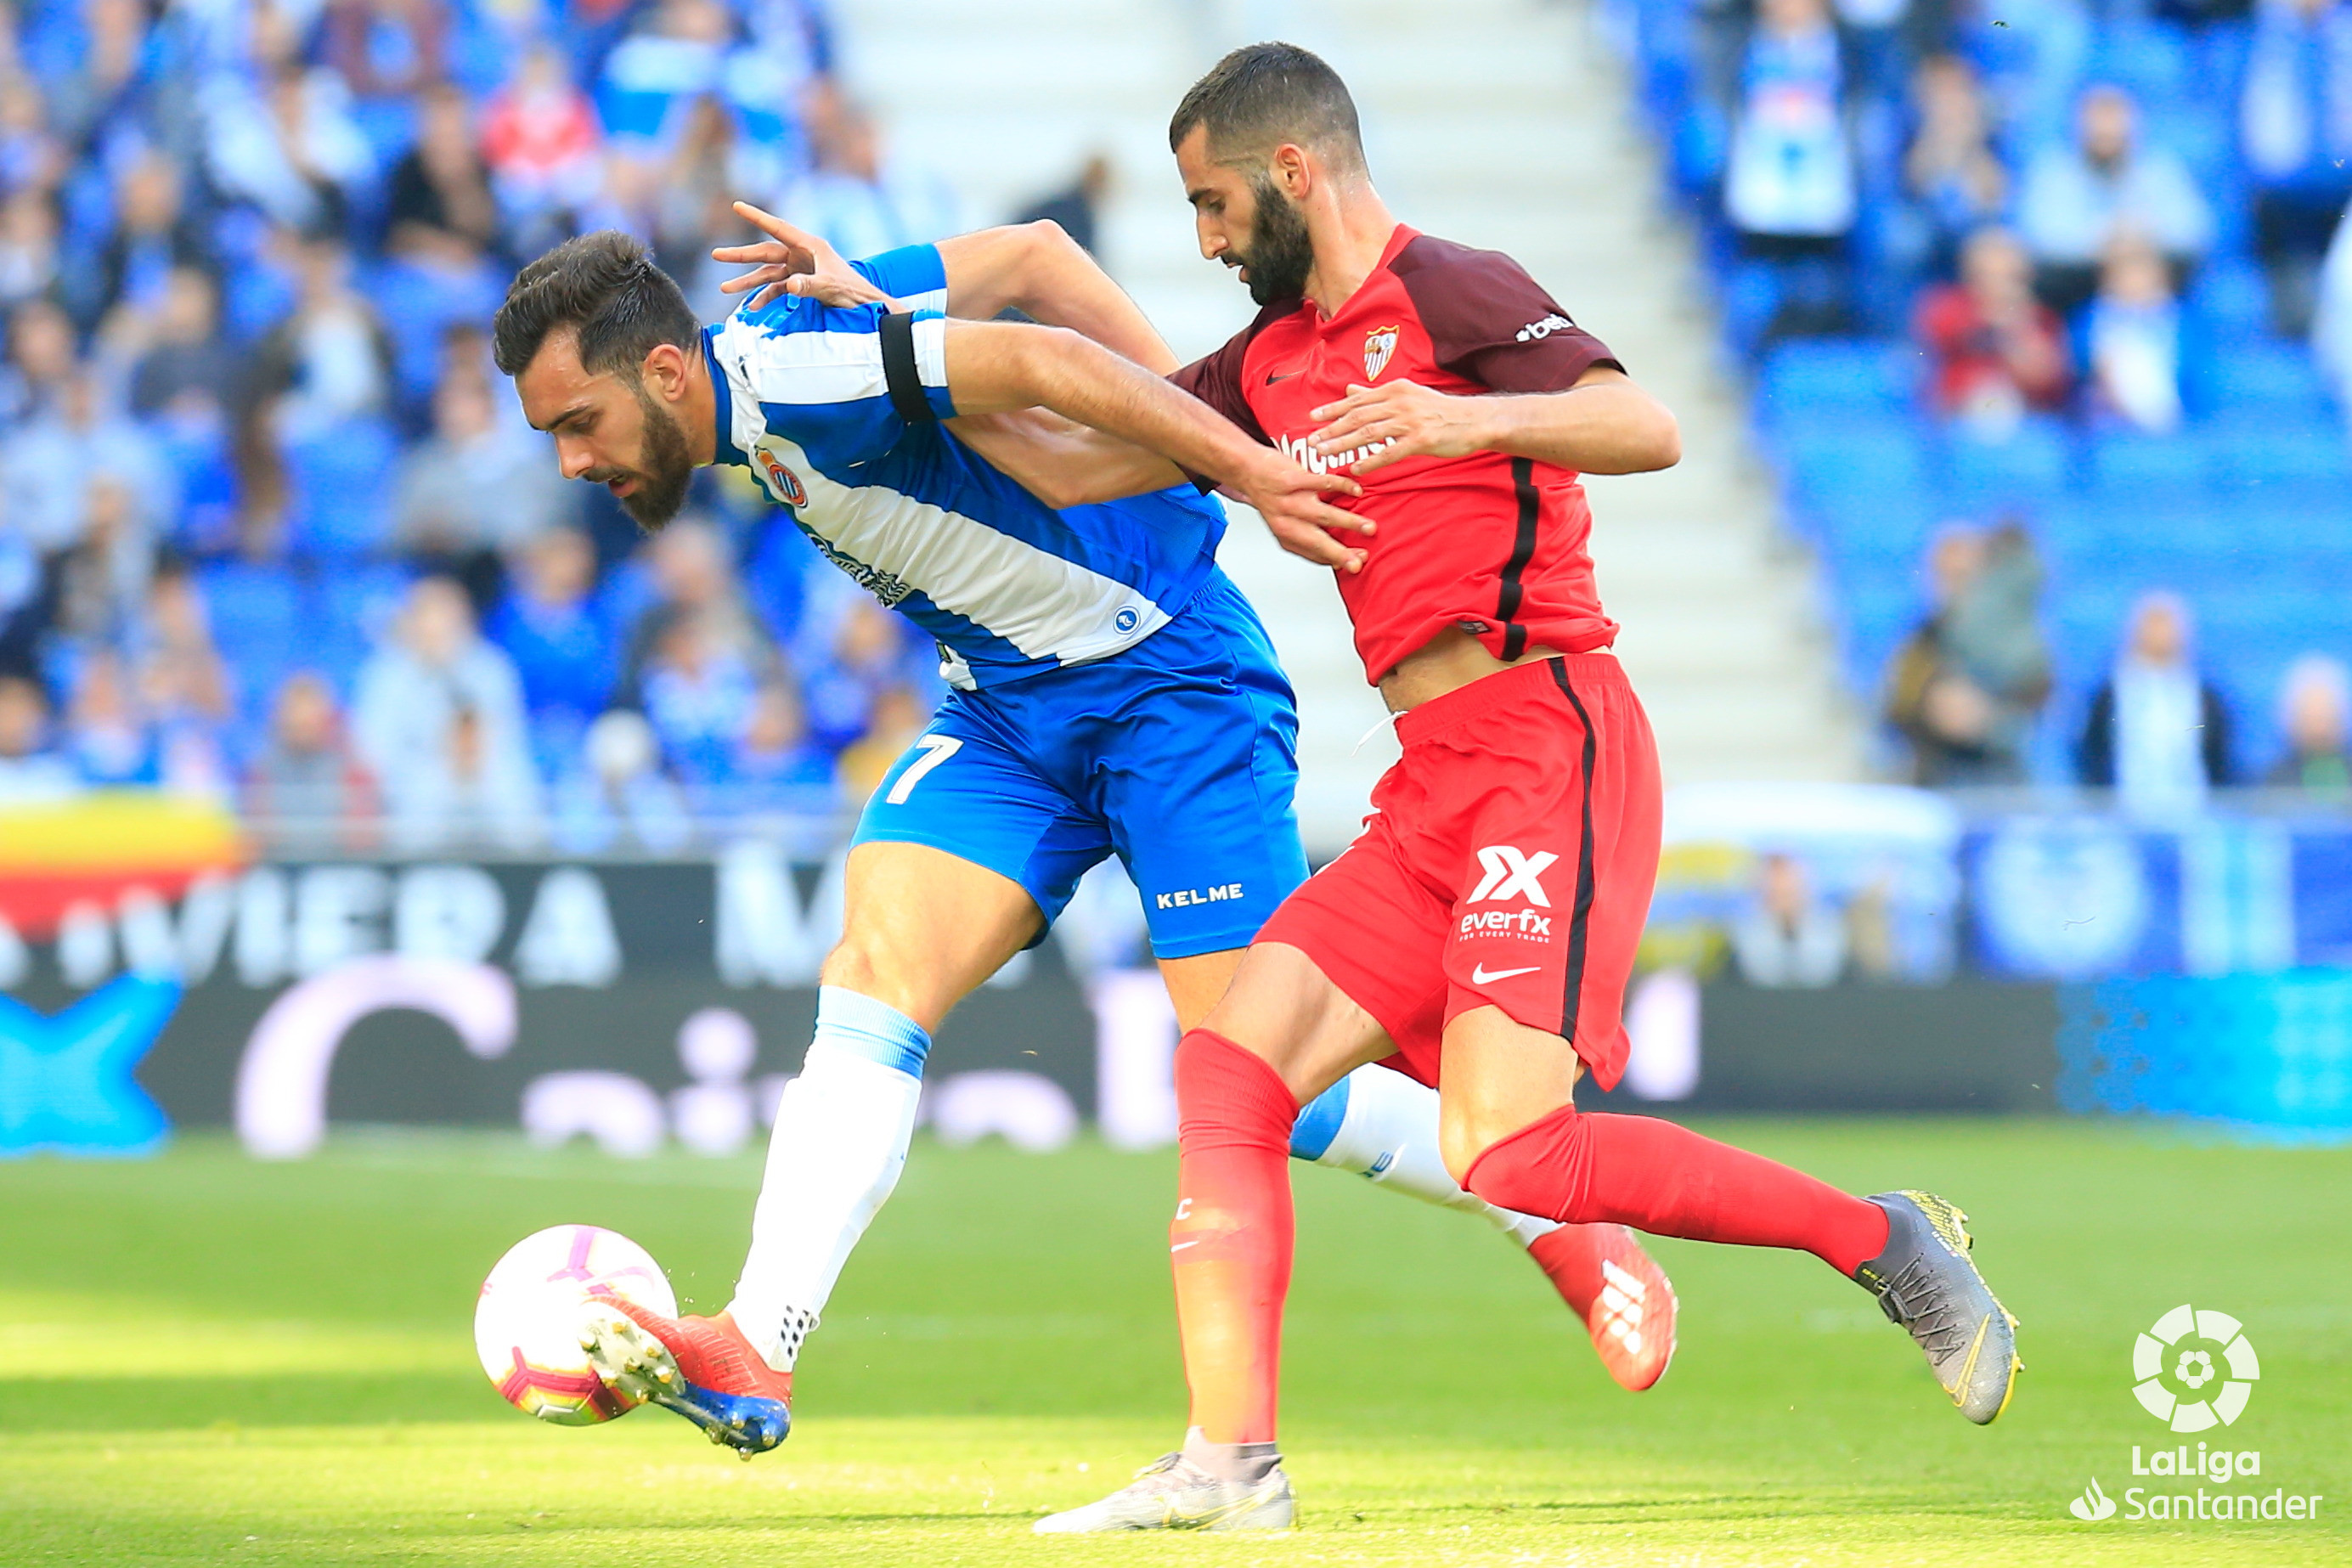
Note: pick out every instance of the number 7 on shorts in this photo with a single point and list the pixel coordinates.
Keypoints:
(940, 748)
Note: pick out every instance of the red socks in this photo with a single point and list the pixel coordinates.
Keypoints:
(1230, 1242)
(1573, 1263)
(1667, 1179)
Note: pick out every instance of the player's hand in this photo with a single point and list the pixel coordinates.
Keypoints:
(1291, 501)
(792, 261)
(1404, 419)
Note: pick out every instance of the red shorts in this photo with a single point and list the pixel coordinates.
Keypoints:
(1508, 863)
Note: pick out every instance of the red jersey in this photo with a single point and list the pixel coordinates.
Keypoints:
(1492, 543)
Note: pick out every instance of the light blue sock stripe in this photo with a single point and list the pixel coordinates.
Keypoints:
(1317, 1125)
(848, 1021)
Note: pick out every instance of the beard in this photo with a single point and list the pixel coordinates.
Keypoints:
(668, 469)
(1279, 254)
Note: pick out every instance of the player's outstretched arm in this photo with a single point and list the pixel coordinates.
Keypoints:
(1606, 424)
(995, 366)
(1035, 268)
(1039, 271)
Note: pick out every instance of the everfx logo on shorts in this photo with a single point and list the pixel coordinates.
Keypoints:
(1507, 873)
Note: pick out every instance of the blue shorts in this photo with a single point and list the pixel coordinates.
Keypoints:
(1179, 755)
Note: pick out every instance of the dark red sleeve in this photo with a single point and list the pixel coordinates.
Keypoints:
(1217, 380)
(1490, 322)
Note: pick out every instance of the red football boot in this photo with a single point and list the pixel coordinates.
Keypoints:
(702, 1368)
(1620, 1293)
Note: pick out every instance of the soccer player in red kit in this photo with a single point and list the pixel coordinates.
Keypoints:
(1480, 933)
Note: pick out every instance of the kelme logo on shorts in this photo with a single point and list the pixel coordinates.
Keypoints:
(2194, 1369)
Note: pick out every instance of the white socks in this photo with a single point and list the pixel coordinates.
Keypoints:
(1383, 1125)
(839, 1143)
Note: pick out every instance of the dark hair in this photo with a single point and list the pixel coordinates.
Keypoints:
(1263, 95)
(605, 287)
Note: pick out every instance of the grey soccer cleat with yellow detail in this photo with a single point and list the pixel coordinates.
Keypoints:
(1174, 1493)
(1925, 1281)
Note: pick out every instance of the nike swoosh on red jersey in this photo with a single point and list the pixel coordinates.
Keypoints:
(1274, 375)
(1479, 976)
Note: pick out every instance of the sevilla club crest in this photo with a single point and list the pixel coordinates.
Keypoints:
(1380, 347)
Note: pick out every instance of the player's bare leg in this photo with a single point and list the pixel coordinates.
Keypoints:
(1198, 983)
(921, 929)
(1512, 1134)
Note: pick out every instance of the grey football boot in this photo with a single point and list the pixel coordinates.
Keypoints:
(1925, 1281)
(1174, 1493)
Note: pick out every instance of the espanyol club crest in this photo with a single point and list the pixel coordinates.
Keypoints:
(1380, 347)
(782, 483)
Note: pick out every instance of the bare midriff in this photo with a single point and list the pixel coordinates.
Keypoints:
(1447, 662)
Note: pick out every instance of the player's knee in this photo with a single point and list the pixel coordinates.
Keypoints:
(1494, 1175)
(859, 965)
(1460, 1149)
(1465, 1131)
(1533, 1169)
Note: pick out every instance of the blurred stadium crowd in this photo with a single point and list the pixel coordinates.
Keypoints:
(272, 528)
(2048, 307)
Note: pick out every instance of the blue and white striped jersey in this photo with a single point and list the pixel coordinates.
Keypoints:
(1007, 584)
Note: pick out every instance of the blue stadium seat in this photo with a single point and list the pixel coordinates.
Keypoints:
(2032, 463)
(2267, 379)
(2152, 59)
(2126, 463)
(2304, 524)
(1850, 451)
(1873, 620)
(2230, 302)
(2262, 450)
(250, 604)
(419, 305)
(341, 482)
(1875, 530)
(353, 609)
(1823, 376)
(198, 453)
(256, 618)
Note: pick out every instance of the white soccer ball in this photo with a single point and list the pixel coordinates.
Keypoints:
(536, 1303)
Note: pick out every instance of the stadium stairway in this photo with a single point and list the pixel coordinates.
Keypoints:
(1496, 123)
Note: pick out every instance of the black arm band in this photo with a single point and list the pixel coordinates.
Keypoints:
(899, 372)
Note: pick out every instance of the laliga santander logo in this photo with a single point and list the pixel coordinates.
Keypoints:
(2178, 1378)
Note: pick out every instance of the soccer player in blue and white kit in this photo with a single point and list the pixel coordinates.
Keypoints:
(1112, 693)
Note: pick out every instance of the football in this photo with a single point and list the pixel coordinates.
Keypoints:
(533, 1307)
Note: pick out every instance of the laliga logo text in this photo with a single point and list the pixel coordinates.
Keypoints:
(2194, 1369)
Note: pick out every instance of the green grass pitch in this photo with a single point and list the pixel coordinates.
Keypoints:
(214, 1361)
